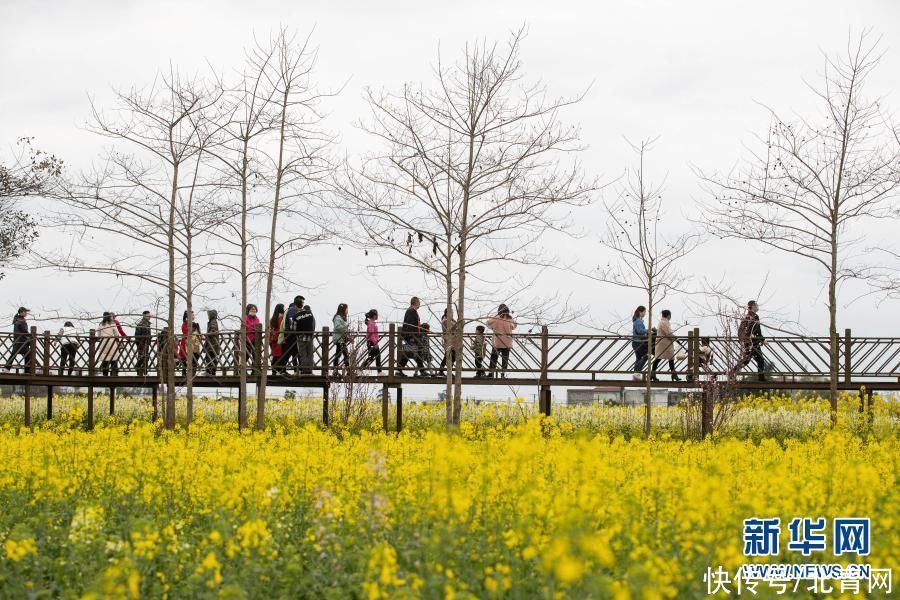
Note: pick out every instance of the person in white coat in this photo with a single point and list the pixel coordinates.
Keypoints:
(108, 346)
(665, 345)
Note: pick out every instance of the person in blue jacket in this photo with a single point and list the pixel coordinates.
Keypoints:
(639, 339)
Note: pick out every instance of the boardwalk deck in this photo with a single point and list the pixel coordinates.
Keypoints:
(540, 359)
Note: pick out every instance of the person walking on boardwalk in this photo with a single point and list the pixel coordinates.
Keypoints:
(212, 345)
(372, 341)
(68, 347)
(183, 350)
(751, 338)
(108, 346)
(448, 337)
(639, 339)
(305, 326)
(340, 334)
(21, 343)
(410, 338)
(665, 345)
(478, 350)
(252, 323)
(195, 347)
(276, 348)
(502, 327)
(288, 335)
(142, 335)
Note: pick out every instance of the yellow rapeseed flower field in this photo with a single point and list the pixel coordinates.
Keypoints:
(510, 505)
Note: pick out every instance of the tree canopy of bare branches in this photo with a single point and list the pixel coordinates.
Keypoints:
(812, 180)
(472, 172)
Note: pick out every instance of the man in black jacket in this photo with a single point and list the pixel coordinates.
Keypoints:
(289, 357)
(21, 342)
(410, 339)
(751, 338)
(305, 326)
(142, 336)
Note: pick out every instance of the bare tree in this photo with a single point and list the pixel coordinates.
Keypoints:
(299, 168)
(471, 175)
(135, 192)
(245, 120)
(646, 260)
(813, 180)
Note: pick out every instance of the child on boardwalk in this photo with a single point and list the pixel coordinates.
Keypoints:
(372, 340)
(478, 350)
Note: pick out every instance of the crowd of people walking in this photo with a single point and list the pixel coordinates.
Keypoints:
(290, 333)
(663, 340)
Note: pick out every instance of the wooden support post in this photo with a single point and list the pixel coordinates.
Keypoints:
(862, 400)
(90, 411)
(242, 400)
(92, 356)
(545, 353)
(236, 353)
(869, 407)
(385, 405)
(47, 356)
(32, 353)
(49, 402)
(706, 413)
(544, 400)
(392, 349)
(112, 400)
(155, 402)
(691, 356)
(696, 371)
(326, 351)
(325, 420)
(28, 405)
(257, 350)
(399, 408)
(847, 363)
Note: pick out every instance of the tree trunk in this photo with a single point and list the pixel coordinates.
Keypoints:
(188, 342)
(833, 346)
(169, 420)
(270, 273)
(648, 390)
(449, 328)
(242, 339)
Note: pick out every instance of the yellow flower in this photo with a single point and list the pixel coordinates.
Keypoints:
(16, 550)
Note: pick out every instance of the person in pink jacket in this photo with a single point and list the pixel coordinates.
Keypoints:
(501, 326)
(372, 341)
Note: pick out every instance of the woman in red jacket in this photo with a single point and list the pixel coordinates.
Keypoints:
(252, 322)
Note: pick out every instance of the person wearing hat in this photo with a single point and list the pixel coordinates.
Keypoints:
(20, 339)
(751, 337)
(143, 333)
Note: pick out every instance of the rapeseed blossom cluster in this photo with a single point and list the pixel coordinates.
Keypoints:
(528, 508)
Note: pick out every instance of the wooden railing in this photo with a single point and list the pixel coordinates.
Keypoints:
(542, 357)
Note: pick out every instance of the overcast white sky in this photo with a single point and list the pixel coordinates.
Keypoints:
(690, 72)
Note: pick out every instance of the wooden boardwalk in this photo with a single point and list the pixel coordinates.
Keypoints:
(541, 359)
